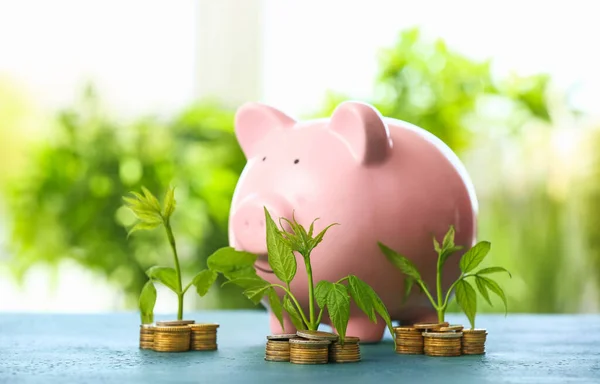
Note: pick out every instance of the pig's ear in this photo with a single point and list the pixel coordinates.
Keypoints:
(364, 130)
(254, 120)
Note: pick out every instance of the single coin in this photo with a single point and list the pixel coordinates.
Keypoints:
(451, 328)
(474, 331)
(283, 336)
(442, 335)
(317, 335)
(179, 329)
(304, 342)
(174, 323)
(147, 326)
(430, 325)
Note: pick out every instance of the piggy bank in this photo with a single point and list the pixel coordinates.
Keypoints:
(380, 179)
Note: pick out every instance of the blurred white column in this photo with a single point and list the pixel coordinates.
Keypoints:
(229, 50)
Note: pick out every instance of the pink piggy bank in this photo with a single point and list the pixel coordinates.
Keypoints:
(381, 179)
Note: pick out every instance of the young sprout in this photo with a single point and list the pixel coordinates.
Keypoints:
(465, 294)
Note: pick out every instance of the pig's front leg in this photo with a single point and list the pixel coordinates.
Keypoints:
(276, 325)
(365, 330)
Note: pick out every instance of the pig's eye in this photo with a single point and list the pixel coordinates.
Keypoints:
(264, 158)
(296, 161)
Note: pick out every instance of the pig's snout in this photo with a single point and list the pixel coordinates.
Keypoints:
(249, 223)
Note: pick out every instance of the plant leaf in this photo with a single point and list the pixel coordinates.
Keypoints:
(312, 228)
(204, 280)
(381, 309)
(467, 300)
(281, 257)
(359, 290)
(449, 238)
(165, 275)
(494, 287)
(276, 306)
(256, 293)
(493, 270)
(409, 282)
(482, 289)
(474, 256)
(436, 246)
(146, 302)
(141, 226)
(322, 289)
(227, 260)
(338, 307)
(404, 264)
(295, 316)
(151, 199)
(319, 237)
(446, 253)
(169, 203)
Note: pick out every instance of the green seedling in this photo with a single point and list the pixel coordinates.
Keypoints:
(333, 296)
(465, 293)
(151, 215)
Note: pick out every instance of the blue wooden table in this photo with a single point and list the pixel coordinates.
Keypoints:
(104, 348)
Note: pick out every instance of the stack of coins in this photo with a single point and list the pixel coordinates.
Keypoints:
(442, 343)
(473, 341)
(172, 338)
(203, 337)
(349, 352)
(304, 351)
(409, 341)
(278, 348)
(146, 336)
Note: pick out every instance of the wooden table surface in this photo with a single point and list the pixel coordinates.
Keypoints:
(104, 348)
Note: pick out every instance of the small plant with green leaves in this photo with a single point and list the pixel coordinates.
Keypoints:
(465, 293)
(331, 296)
(151, 215)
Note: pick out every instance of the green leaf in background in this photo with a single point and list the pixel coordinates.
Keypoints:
(165, 275)
(404, 264)
(474, 256)
(369, 295)
(281, 257)
(467, 300)
(338, 307)
(146, 302)
(481, 287)
(169, 203)
(322, 289)
(295, 316)
(494, 287)
(204, 280)
(489, 270)
(436, 246)
(276, 306)
(360, 292)
(227, 260)
(381, 309)
(312, 228)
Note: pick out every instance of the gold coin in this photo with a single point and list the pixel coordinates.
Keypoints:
(179, 329)
(430, 325)
(317, 335)
(282, 337)
(206, 326)
(299, 343)
(442, 335)
(174, 323)
(308, 362)
(451, 328)
(346, 360)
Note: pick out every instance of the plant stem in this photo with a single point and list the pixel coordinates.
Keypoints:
(424, 288)
(438, 283)
(177, 268)
(311, 294)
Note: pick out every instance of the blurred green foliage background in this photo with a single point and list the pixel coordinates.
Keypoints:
(64, 201)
